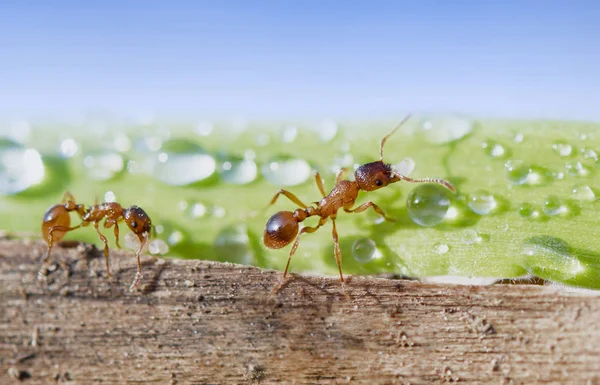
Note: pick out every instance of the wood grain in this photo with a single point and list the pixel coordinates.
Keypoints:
(204, 322)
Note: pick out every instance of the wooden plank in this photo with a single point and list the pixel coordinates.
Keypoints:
(206, 322)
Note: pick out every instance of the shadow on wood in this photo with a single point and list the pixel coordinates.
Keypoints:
(206, 322)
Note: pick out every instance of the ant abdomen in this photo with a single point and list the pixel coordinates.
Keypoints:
(281, 229)
(56, 215)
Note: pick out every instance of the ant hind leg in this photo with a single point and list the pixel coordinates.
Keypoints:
(43, 270)
(305, 229)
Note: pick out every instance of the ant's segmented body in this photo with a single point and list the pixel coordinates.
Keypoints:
(57, 221)
(283, 227)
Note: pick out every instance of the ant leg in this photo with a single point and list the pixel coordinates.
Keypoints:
(138, 275)
(51, 236)
(67, 196)
(365, 206)
(108, 224)
(43, 272)
(288, 195)
(319, 181)
(305, 229)
(103, 239)
(338, 256)
(117, 234)
(336, 249)
(340, 174)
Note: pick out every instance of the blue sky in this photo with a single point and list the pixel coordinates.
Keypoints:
(294, 59)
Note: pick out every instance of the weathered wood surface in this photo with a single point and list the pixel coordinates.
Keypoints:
(204, 322)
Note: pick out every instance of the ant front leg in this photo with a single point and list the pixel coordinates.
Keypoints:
(365, 206)
(105, 241)
(138, 275)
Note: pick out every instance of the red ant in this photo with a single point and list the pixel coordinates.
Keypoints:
(282, 227)
(57, 222)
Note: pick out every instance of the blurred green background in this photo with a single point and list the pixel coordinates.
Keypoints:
(526, 200)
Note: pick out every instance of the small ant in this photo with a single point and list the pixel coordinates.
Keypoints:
(282, 227)
(57, 222)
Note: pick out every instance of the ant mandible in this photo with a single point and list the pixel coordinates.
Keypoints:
(282, 228)
(57, 221)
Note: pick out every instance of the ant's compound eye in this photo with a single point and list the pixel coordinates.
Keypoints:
(134, 224)
(379, 182)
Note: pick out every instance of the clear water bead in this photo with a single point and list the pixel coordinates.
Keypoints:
(20, 167)
(428, 204)
(365, 250)
(286, 171)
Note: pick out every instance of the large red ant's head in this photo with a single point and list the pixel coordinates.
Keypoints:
(375, 175)
(138, 221)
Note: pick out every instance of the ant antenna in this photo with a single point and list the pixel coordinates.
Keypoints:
(439, 181)
(391, 133)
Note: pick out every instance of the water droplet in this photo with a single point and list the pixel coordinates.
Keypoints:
(440, 248)
(218, 211)
(428, 204)
(550, 258)
(539, 176)
(204, 128)
(19, 131)
(110, 196)
(147, 144)
(578, 169)
(262, 139)
(553, 205)
(289, 134)
(20, 167)
(516, 172)
(482, 203)
(405, 166)
(365, 250)
(286, 171)
(238, 171)
(158, 246)
(562, 148)
(175, 238)
(103, 166)
(518, 138)
(197, 210)
(589, 153)
(442, 130)
(529, 211)
(494, 149)
(182, 163)
(327, 130)
(132, 242)
(68, 148)
(583, 193)
(471, 237)
(232, 244)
